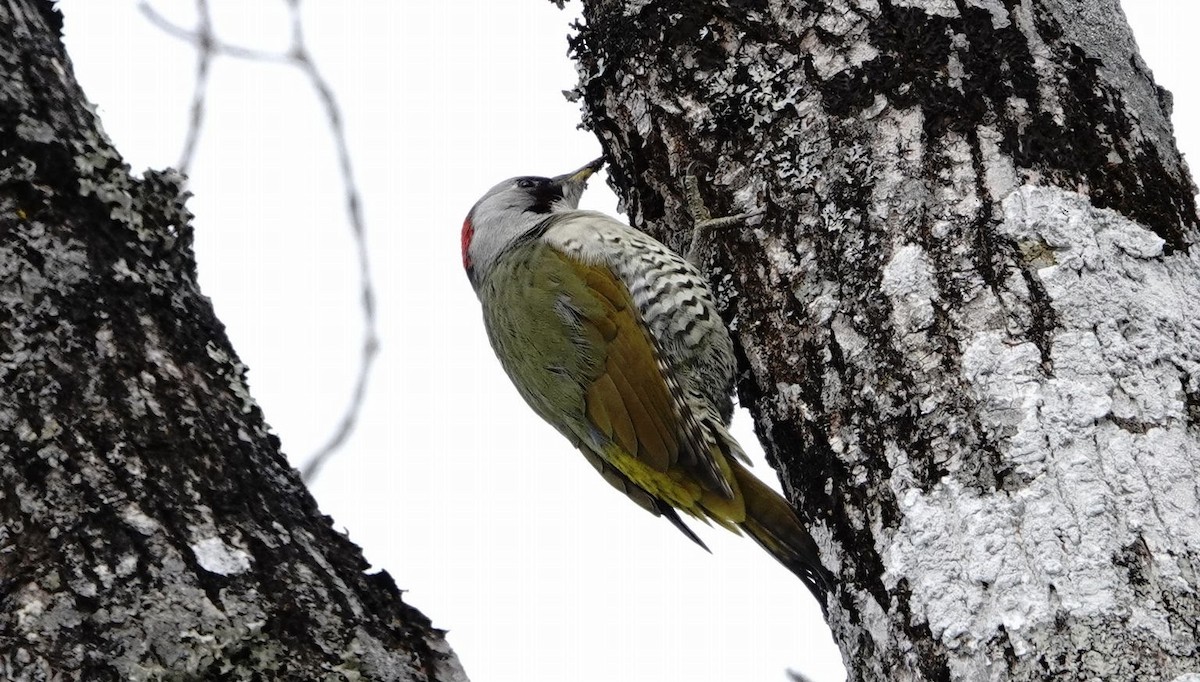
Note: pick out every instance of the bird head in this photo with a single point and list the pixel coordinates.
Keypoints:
(515, 208)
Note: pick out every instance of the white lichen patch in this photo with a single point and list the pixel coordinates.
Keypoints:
(955, 191)
(781, 258)
(102, 174)
(899, 193)
(30, 609)
(215, 556)
(851, 342)
(34, 130)
(1044, 63)
(234, 373)
(861, 52)
(127, 566)
(122, 272)
(25, 432)
(141, 397)
(1101, 448)
(640, 108)
(908, 284)
(999, 173)
(940, 8)
(1006, 377)
(830, 59)
(40, 613)
(105, 347)
(824, 303)
(994, 7)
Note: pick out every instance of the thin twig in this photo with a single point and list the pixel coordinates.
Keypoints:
(204, 55)
(207, 46)
(370, 346)
(218, 46)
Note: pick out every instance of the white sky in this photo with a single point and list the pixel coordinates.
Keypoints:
(496, 528)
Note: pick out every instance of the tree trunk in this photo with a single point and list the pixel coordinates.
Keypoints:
(968, 317)
(151, 529)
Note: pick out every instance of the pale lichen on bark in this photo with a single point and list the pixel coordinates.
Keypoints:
(967, 314)
(150, 528)
(1102, 509)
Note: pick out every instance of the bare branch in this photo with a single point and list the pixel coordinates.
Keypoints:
(297, 55)
(370, 345)
(217, 46)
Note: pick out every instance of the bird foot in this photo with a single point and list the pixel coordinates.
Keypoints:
(702, 220)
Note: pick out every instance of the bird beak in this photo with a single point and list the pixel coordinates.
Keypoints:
(584, 173)
(573, 183)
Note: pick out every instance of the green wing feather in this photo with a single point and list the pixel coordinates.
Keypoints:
(571, 339)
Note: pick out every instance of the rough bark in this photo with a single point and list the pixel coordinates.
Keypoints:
(968, 316)
(150, 527)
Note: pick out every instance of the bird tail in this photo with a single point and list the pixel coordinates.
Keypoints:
(774, 526)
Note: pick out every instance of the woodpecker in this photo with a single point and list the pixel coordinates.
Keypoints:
(615, 340)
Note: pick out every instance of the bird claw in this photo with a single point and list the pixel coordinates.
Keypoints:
(714, 223)
(702, 220)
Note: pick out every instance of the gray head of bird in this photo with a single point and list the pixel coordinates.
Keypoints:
(514, 209)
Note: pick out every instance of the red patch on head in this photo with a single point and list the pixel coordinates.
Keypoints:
(468, 232)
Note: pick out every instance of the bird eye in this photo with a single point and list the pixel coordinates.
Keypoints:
(525, 183)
